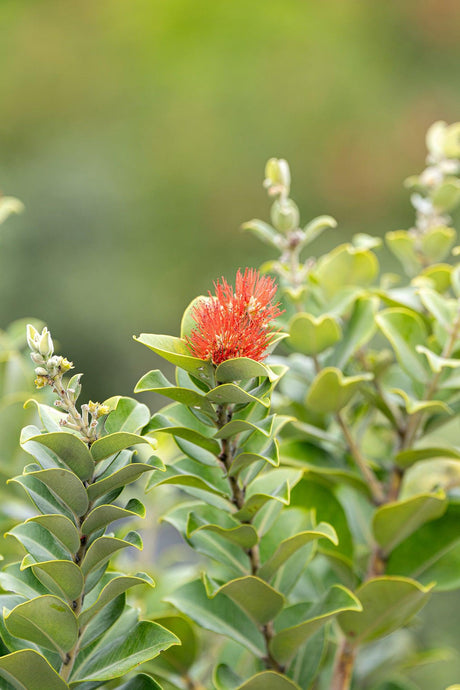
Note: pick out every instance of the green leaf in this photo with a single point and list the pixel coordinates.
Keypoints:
(431, 475)
(260, 601)
(267, 487)
(112, 590)
(70, 450)
(292, 544)
(45, 620)
(23, 582)
(311, 335)
(140, 682)
(288, 640)
(183, 657)
(156, 382)
(109, 445)
(240, 426)
(102, 548)
(42, 497)
(269, 680)
(331, 390)
(176, 351)
(263, 231)
(124, 653)
(432, 553)
(39, 542)
(63, 578)
(406, 458)
(231, 393)
(441, 308)
(67, 488)
(126, 475)
(359, 330)
(29, 670)
(307, 663)
(405, 330)
(160, 423)
(394, 522)
(104, 515)
(220, 615)
(388, 604)
(128, 416)
(316, 226)
(437, 242)
(269, 454)
(60, 527)
(240, 535)
(189, 473)
(240, 368)
(436, 362)
(413, 406)
(402, 244)
(447, 195)
(346, 266)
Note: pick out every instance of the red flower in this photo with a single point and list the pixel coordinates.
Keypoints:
(235, 323)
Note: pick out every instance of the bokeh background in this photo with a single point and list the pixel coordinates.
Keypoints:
(136, 133)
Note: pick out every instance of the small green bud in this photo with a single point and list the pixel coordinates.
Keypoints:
(277, 176)
(41, 371)
(285, 215)
(45, 345)
(32, 337)
(37, 358)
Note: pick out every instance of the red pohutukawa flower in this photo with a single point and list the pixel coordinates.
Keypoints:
(235, 323)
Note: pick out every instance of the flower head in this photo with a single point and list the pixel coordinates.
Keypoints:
(235, 322)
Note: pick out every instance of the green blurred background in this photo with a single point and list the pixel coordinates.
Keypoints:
(136, 133)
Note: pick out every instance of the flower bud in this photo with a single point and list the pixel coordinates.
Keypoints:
(32, 336)
(41, 371)
(285, 215)
(37, 358)
(46, 344)
(277, 176)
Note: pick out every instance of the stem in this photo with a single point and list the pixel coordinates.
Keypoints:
(343, 666)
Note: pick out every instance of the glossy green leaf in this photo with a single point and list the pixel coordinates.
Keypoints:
(405, 330)
(140, 682)
(240, 535)
(182, 657)
(155, 382)
(240, 426)
(394, 522)
(292, 544)
(188, 473)
(66, 486)
(128, 416)
(109, 445)
(269, 680)
(257, 499)
(231, 393)
(104, 515)
(41, 496)
(29, 670)
(60, 527)
(406, 458)
(125, 653)
(45, 620)
(311, 335)
(239, 369)
(260, 601)
(176, 351)
(62, 578)
(220, 615)
(111, 590)
(346, 266)
(103, 548)
(331, 390)
(70, 450)
(288, 640)
(160, 423)
(269, 454)
(388, 604)
(126, 475)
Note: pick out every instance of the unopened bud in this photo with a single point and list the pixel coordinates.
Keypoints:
(46, 344)
(32, 336)
(277, 176)
(41, 371)
(37, 358)
(285, 215)
(41, 381)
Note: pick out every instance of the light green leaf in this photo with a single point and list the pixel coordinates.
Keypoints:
(430, 475)
(70, 450)
(388, 604)
(405, 330)
(240, 535)
(124, 653)
(189, 473)
(60, 527)
(109, 445)
(42, 497)
(66, 486)
(62, 578)
(160, 423)
(358, 331)
(231, 393)
(413, 406)
(260, 601)
(436, 362)
(269, 680)
(292, 544)
(156, 382)
(331, 390)
(275, 485)
(316, 226)
(39, 542)
(128, 416)
(29, 670)
(111, 590)
(406, 458)
(269, 454)
(288, 640)
(101, 550)
(140, 682)
(402, 244)
(176, 351)
(104, 515)
(442, 309)
(394, 522)
(45, 620)
(220, 615)
(437, 242)
(311, 335)
(240, 368)
(126, 475)
(263, 231)
(183, 657)
(346, 266)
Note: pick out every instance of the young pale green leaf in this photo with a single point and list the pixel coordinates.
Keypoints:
(240, 369)
(62, 578)
(109, 445)
(269, 679)
(442, 309)
(29, 670)
(286, 642)
(405, 330)
(102, 549)
(155, 382)
(124, 653)
(388, 604)
(126, 475)
(311, 335)
(128, 416)
(70, 450)
(346, 266)
(394, 522)
(66, 486)
(260, 601)
(176, 351)
(104, 515)
(436, 362)
(61, 528)
(264, 232)
(316, 226)
(112, 589)
(46, 620)
(359, 330)
(413, 406)
(331, 390)
(220, 615)
(292, 544)
(402, 244)
(231, 393)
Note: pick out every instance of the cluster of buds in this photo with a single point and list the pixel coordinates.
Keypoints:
(48, 365)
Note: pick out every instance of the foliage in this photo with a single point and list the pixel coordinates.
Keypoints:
(65, 619)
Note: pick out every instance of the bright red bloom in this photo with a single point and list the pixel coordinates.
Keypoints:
(235, 323)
